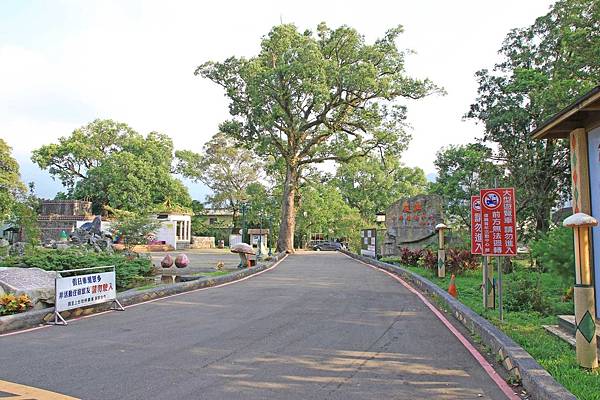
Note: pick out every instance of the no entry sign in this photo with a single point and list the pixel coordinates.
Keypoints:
(476, 232)
(498, 222)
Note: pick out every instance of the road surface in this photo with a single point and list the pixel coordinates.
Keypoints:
(318, 326)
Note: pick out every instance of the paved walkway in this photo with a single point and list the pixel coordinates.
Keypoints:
(319, 326)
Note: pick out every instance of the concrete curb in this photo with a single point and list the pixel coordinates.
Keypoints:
(31, 319)
(536, 380)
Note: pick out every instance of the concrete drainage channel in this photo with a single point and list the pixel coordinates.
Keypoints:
(13, 323)
(536, 380)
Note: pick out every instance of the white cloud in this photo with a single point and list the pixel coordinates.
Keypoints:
(134, 61)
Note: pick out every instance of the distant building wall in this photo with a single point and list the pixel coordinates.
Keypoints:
(203, 242)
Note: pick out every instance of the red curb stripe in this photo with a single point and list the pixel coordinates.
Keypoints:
(501, 383)
(147, 301)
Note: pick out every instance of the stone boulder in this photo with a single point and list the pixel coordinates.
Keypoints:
(34, 282)
(167, 262)
(182, 261)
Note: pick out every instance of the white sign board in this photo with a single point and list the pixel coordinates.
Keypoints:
(85, 290)
(594, 164)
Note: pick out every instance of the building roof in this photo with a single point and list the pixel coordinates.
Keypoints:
(577, 115)
(258, 231)
(8, 227)
(208, 212)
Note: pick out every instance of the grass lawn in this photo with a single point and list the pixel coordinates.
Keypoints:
(525, 327)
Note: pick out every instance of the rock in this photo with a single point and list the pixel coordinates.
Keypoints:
(167, 262)
(17, 249)
(411, 222)
(181, 261)
(34, 282)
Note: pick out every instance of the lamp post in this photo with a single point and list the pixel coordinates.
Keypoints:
(441, 271)
(585, 321)
(379, 219)
(260, 234)
(244, 208)
(270, 238)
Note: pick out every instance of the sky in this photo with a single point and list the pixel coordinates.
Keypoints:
(66, 63)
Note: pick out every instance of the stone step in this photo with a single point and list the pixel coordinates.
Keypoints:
(560, 333)
(567, 323)
(565, 329)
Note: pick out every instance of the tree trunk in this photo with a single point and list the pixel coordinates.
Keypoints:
(288, 211)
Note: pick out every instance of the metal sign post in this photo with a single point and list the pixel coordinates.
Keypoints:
(84, 290)
(477, 248)
(499, 232)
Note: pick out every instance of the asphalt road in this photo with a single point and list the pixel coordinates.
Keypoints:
(319, 326)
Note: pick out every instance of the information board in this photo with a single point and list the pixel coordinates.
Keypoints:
(498, 222)
(476, 233)
(368, 239)
(85, 290)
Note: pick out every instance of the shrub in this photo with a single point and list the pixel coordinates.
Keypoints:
(524, 293)
(129, 268)
(134, 229)
(429, 259)
(409, 256)
(459, 261)
(11, 304)
(554, 252)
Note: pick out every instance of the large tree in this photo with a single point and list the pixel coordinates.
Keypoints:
(225, 168)
(308, 98)
(544, 67)
(11, 187)
(109, 163)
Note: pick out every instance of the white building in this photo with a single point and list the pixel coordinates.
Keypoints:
(175, 230)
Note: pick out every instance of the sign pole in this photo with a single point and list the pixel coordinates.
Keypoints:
(499, 230)
(500, 309)
(488, 286)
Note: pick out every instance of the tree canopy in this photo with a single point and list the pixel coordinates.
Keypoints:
(109, 163)
(372, 183)
(323, 210)
(461, 172)
(11, 186)
(311, 97)
(544, 67)
(225, 168)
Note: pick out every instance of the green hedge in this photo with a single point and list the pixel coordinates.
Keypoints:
(130, 269)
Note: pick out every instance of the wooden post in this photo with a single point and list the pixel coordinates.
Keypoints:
(441, 271)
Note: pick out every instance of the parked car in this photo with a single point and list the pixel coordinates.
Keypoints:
(332, 246)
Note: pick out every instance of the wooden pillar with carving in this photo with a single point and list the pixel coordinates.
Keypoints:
(581, 221)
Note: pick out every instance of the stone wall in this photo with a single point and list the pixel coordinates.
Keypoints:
(62, 215)
(66, 207)
(203, 242)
